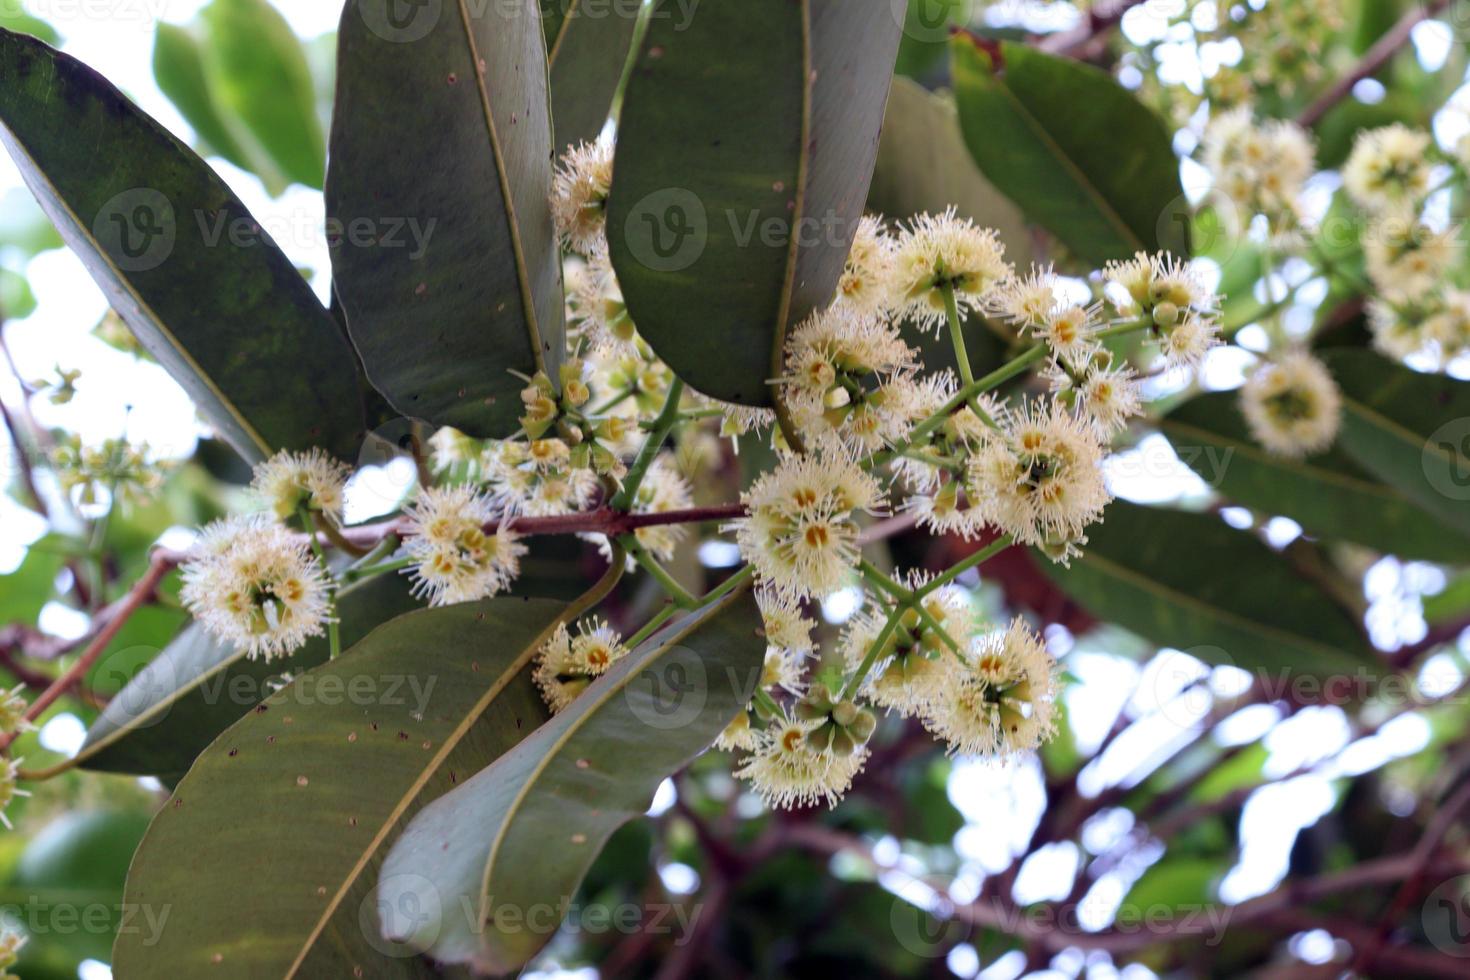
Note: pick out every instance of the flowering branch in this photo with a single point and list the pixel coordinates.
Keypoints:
(161, 563)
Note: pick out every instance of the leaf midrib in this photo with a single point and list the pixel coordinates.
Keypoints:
(513, 224)
(1300, 467)
(1079, 177)
(573, 610)
(1163, 591)
(666, 642)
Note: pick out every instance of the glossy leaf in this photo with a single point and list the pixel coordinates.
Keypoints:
(1411, 430)
(14, 19)
(720, 159)
(1327, 494)
(520, 835)
(1192, 582)
(258, 74)
(587, 45)
(447, 266)
(179, 257)
(171, 709)
(329, 769)
(1077, 151)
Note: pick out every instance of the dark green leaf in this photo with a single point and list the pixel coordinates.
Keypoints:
(519, 836)
(172, 708)
(447, 264)
(1411, 430)
(1077, 151)
(179, 257)
(587, 49)
(739, 182)
(1192, 582)
(1327, 494)
(258, 75)
(329, 769)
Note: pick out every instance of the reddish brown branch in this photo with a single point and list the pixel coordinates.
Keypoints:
(113, 619)
(1373, 59)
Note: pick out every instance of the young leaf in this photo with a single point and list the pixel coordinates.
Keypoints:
(520, 835)
(1411, 430)
(178, 68)
(587, 50)
(1326, 494)
(739, 182)
(1077, 151)
(179, 257)
(440, 172)
(258, 73)
(197, 687)
(1192, 582)
(330, 768)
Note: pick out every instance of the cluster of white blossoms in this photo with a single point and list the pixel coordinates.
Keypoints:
(801, 534)
(1260, 166)
(1411, 257)
(289, 482)
(256, 585)
(568, 662)
(454, 559)
(1292, 404)
(13, 722)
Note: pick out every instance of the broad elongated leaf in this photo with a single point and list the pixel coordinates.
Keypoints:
(258, 73)
(1077, 151)
(739, 182)
(587, 45)
(1327, 494)
(197, 687)
(330, 768)
(520, 835)
(1192, 582)
(179, 257)
(447, 265)
(1411, 430)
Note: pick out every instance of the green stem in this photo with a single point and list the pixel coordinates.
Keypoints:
(334, 535)
(957, 336)
(855, 682)
(652, 626)
(729, 585)
(876, 576)
(383, 549)
(651, 446)
(359, 572)
(765, 703)
(980, 557)
(681, 596)
(334, 636)
(612, 403)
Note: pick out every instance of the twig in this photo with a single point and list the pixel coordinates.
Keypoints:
(1373, 59)
(161, 563)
